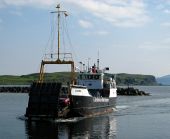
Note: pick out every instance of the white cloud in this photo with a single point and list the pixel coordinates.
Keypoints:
(102, 33)
(40, 3)
(163, 6)
(167, 11)
(156, 45)
(126, 13)
(1, 24)
(165, 24)
(118, 12)
(85, 24)
(2, 3)
(17, 13)
(98, 33)
(148, 46)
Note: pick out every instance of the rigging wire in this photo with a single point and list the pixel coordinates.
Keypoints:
(48, 41)
(52, 41)
(49, 46)
(63, 34)
(66, 43)
(52, 35)
(69, 40)
(64, 37)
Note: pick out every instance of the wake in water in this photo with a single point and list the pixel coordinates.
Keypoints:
(60, 120)
(121, 107)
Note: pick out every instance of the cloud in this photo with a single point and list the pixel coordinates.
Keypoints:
(127, 13)
(154, 45)
(165, 24)
(98, 33)
(167, 11)
(2, 3)
(39, 3)
(163, 6)
(1, 21)
(17, 13)
(102, 33)
(85, 24)
(122, 13)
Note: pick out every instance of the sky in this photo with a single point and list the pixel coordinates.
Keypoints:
(129, 36)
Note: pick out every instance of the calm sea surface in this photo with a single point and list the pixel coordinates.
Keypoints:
(137, 117)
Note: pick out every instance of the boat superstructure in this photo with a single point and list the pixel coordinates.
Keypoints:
(94, 93)
(88, 93)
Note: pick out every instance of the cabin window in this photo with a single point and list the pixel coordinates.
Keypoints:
(96, 77)
(84, 77)
(113, 85)
(106, 85)
(77, 90)
(90, 76)
(80, 77)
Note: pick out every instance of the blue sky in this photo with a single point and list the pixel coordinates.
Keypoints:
(131, 36)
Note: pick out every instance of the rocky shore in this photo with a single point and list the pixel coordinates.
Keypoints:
(129, 91)
(14, 89)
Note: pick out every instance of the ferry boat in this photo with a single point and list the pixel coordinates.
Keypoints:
(89, 93)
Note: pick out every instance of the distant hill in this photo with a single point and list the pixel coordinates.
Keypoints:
(135, 79)
(121, 79)
(28, 79)
(164, 80)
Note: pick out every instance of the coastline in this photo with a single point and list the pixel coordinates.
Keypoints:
(126, 91)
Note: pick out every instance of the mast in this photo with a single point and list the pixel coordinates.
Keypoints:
(98, 60)
(58, 60)
(58, 6)
(58, 29)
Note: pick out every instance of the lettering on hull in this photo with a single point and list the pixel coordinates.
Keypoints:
(97, 99)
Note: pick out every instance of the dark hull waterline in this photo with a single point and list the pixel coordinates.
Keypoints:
(89, 106)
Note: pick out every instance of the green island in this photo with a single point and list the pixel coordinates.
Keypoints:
(121, 78)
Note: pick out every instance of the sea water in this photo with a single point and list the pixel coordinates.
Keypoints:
(136, 117)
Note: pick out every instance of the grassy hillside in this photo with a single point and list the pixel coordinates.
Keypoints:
(121, 79)
(10, 79)
(135, 79)
(28, 79)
